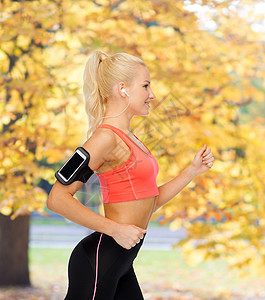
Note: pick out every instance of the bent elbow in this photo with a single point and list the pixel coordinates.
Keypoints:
(49, 202)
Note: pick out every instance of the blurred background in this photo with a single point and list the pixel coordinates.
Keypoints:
(206, 61)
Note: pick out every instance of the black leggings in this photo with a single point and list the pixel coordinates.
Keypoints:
(99, 259)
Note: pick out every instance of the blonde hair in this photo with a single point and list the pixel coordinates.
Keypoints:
(101, 73)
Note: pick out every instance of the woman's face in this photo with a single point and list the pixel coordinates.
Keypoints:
(140, 92)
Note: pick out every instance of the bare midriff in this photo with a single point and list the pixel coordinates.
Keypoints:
(137, 212)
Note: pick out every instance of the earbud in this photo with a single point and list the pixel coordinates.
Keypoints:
(123, 90)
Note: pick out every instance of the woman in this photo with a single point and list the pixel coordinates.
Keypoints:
(101, 265)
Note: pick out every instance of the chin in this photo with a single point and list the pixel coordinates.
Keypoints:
(143, 114)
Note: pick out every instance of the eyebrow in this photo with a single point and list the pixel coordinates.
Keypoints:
(147, 81)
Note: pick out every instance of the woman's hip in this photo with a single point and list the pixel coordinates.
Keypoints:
(103, 252)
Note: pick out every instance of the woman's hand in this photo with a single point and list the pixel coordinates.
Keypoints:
(203, 160)
(128, 236)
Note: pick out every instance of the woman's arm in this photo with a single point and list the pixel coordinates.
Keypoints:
(61, 198)
(202, 162)
(170, 189)
(62, 202)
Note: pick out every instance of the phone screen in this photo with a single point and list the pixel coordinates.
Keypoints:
(71, 166)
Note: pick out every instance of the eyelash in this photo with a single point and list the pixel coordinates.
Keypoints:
(146, 85)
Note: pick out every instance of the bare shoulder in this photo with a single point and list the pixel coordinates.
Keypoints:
(100, 147)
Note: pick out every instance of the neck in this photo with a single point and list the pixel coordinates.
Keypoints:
(120, 125)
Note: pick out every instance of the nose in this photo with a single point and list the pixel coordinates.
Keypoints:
(152, 95)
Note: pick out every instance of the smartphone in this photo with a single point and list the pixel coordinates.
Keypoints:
(72, 165)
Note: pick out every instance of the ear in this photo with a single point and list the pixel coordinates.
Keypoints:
(121, 86)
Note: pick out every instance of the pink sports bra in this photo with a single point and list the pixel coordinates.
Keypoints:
(133, 180)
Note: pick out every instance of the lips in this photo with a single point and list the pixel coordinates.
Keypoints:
(147, 103)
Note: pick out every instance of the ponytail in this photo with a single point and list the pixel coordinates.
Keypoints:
(93, 99)
(101, 73)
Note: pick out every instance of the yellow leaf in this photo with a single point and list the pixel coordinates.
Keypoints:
(176, 224)
(195, 257)
(6, 210)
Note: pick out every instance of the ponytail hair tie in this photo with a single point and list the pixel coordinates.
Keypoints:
(102, 58)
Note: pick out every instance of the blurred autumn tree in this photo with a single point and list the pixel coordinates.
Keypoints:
(223, 210)
(201, 78)
(37, 103)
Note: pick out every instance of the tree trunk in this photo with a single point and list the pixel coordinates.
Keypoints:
(14, 238)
